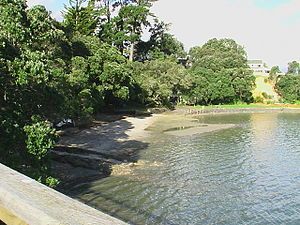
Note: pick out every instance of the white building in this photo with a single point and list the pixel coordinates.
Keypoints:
(259, 67)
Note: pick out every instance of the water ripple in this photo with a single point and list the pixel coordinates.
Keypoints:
(246, 175)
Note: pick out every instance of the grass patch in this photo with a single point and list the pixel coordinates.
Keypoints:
(246, 106)
(233, 106)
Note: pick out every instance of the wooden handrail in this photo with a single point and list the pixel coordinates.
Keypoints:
(24, 201)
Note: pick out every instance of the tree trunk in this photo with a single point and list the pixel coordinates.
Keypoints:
(131, 52)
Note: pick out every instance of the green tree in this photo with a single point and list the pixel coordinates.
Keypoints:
(219, 54)
(44, 31)
(162, 81)
(288, 87)
(161, 44)
(26, 75)
(211, 87)
(293, 68)
(41, 138)
(80, 18)
(125, 29)
(275, 70)
(99, 75)
(13, 21)
(221, 73)
(13, 33)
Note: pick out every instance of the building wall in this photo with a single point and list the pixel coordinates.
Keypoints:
(259, 68)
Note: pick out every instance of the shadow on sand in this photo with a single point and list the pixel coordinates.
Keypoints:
(88, 154)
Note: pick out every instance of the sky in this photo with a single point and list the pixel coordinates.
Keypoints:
(268, 29)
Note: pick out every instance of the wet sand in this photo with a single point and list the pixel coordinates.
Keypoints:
(177, 124)
(128, 134)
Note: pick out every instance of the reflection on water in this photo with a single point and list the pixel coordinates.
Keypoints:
(246, 175)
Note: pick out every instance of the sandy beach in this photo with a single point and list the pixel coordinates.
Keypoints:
(119, 140)
(113, 147)
(124, 138)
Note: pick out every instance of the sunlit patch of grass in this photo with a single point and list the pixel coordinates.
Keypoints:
(246, 106)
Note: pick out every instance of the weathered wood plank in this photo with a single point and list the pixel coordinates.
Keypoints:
(32, 203)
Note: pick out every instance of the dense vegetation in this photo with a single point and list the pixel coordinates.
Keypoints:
(288, 85)
(95, 60)
(220, 73)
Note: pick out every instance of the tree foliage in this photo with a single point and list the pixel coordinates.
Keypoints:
(81, 19)
(294, 68)
(161, 81)
(40, 139)
(221, 73)
(125, 29)
(219, 54)
(52, 70)
(288, 87)
(161, 44)
(275, 70)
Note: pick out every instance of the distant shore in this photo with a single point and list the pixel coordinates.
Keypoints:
(228, 110)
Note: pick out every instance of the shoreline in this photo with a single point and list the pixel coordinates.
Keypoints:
(196, 111)
(106, 136)
(91, 153)
(140, 124)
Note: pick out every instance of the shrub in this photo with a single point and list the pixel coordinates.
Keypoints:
(258, 99)
(41, 138)
(266, 96)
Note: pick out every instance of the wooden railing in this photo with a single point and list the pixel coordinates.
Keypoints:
(24, 201)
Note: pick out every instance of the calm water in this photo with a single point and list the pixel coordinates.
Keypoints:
(249, 174)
